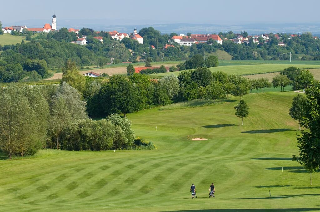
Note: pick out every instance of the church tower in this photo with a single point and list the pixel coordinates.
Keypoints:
(54, 22)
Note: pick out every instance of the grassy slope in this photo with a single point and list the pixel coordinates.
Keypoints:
(244, 162)
(8, 39)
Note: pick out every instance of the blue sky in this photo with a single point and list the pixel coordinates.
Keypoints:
(163, 11)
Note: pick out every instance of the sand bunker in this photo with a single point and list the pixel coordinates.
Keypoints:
(199, 139)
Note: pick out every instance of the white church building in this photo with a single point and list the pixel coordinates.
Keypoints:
(47, 27)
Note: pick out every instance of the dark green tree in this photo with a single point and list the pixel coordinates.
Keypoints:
(72, 76)
(1, 32)
(211, 61)
(239, 86)
(40, 66)
(66, 107)
(303, 80)
(242, 110)
(202, 76)
(130, 69)
(196, 61)
(281, 81)
(119, 95)
(307, 112)
(23, 120)
(148, 62)
(244, 34)
(298, 108)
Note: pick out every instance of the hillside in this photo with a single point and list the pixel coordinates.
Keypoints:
(7, 39)
(244, 162)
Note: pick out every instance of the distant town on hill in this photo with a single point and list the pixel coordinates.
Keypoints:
(257, 28)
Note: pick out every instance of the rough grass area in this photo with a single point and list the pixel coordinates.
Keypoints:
(222, 55)
(7, 39)
(244, 162)
(270, 76)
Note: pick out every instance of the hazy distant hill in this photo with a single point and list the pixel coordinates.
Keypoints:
(106, 25)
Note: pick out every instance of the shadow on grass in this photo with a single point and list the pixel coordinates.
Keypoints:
(271, 159)
(251, 210)
(218, 126)
(273, 186)
(3, 156)
(283, 197)
(229, 100)
(294, 169)
(309, 187)
(267, 131)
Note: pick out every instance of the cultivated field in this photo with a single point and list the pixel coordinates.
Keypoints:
(114, 69)
(228, 66)
(244, 162)
(8, 39)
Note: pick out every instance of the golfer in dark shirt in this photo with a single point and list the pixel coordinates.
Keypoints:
(193, 188)
(212, 190)
(212, 187)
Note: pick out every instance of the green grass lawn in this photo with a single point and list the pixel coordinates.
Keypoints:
(7, 39)
(244, 162)
(248, 67)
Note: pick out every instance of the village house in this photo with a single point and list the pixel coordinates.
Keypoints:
(136, 36)
(92, 74)
(8, 30)
(195, 38)
(177, 39)
(73, 30)
(118, 36)
(99, 39)
(81, 41)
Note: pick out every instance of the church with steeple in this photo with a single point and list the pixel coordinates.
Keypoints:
(47, 27)
(54, 22)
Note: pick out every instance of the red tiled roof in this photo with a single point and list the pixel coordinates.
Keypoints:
(202, 39)
(99, 38)
(73, 30)
(198, 36)
(113, 33)
(188, 40)
(177, 37)
(137, 36)
(80, 39)
(215, 37)
(47, 26)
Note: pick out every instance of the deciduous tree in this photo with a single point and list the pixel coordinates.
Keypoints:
(72, 76)
(23, 120)
(309, 118)
(66, 107)
(242, 110)
(281, 81)
(211, 61)
(130, 69)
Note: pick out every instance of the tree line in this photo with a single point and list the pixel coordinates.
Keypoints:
(127, 94)
(54, 48)
(299, 79)
(33, 117)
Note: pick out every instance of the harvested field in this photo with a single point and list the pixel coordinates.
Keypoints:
(109, 71)
(269, 76)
